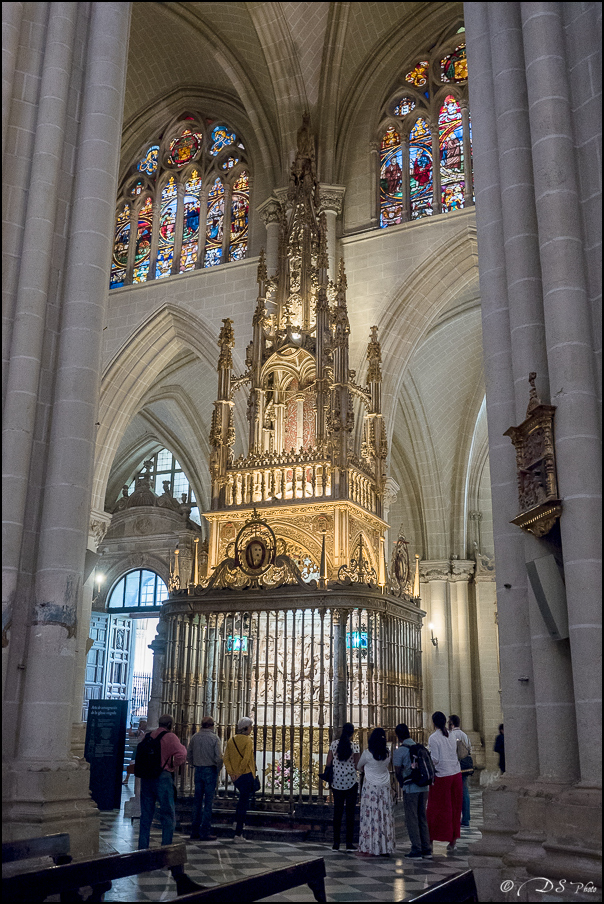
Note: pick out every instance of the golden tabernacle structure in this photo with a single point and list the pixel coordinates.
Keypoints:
(298, 622)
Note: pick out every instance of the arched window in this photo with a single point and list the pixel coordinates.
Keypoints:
(164, 468)
(140, 589)
(425, 138)
(185, 202)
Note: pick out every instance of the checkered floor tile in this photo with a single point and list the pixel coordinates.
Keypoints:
(349, 878)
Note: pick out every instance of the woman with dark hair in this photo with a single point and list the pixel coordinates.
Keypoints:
(376, 834)
(445, 797)
(344, 755)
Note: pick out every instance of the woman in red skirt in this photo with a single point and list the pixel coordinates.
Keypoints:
(445, 797)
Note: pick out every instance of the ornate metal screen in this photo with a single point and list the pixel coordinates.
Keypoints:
(300, 673)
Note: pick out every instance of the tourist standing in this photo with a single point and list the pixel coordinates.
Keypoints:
(459, 735)
(205, 753)
(499, 748)
(445, 796)
(161, 789)
(240, 763)
(344, 755)
(415, 798)
(376, 834)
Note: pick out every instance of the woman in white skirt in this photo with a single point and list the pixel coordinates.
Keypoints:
(376, 834)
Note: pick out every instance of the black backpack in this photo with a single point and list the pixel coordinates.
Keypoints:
(148, 762)
(422, 767)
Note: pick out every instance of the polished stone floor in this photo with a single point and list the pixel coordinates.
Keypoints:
(349, 878)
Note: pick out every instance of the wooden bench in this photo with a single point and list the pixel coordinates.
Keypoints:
(54, 846)
(98, 873)
(460, 887)
(254, 888)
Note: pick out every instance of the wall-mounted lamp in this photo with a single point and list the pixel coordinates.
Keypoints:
(99, 579)
(432, 637)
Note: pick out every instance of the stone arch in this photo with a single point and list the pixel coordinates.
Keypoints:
(134, 369)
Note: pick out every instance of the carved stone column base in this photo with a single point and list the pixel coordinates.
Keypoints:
(538, 831)
(46, 798)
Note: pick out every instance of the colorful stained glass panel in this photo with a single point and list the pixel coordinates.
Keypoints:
(391, 179)
(190, 225)
(239, 217)
(403, 106)
(450, 141)
(167, 229)
(214, 225)
(143, 242)
(420, 170)
(121, 245)
(184, 148)
(149, 162)
(454, 67)
(220, 138)
(418, 75)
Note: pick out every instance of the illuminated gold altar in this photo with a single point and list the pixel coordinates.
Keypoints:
(297, 621)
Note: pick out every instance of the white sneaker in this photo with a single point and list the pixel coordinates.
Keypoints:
(239, 839)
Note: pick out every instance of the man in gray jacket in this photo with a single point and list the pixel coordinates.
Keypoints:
(205, 753)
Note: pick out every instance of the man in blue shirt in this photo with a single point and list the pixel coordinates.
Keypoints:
(415, 798)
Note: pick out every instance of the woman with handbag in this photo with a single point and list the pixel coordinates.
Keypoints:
(343, 757)
(240, 763)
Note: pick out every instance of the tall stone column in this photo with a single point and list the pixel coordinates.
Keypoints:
(461, 573)
(45, 789)
(487, 653)
(437, 674)
(270, 211)
(159, 645)
(332, 197)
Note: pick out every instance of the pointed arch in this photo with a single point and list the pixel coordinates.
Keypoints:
(131, 374)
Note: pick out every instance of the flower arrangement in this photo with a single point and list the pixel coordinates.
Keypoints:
(285, 775)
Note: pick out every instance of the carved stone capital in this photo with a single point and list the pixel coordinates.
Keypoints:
(332, 197)
(485, 567)
(435, 571)
(461, 569)
(98, 526)
(391, 488)
(270, 211)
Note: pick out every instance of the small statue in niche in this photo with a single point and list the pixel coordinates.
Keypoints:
(122, 502)
(167, 500)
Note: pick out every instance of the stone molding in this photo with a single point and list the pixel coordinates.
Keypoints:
(332, 197)
(485, 567)
(391, 489)
(270, 210)
(435, 570)
(461, 570)
(98, 526)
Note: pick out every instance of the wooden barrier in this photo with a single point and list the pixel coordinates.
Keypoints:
(460, 887)
(254, 888)
(98, 872)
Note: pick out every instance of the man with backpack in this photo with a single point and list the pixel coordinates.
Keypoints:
(415, 772)
(157, 756)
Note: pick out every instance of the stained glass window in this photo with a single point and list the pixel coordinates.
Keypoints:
(164, 206)
(240, 205)
(450, 140)
(143, 242)
(167, 229)
(403, 106)
(121, 245)
(430, 114)
(214, 225)
(391, 179)
(418, 75)
(220, 138)
(184, 148)
(149, 162)
(190, 225)
(454, 67)
(420, 170)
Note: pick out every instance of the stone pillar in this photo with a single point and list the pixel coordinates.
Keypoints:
(270, 211)
(374, 151)
(461, 573)
(487, 656)
(99, 523)
(573, 379)
(45, 789)
(159, 646)
(437, 675)
(332, 197)
(11, 29)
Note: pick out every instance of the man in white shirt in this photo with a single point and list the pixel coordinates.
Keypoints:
(456, 732)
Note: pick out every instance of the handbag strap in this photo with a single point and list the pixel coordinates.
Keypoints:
(237, 746)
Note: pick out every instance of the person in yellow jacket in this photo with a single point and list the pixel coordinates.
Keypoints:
(240, 763)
